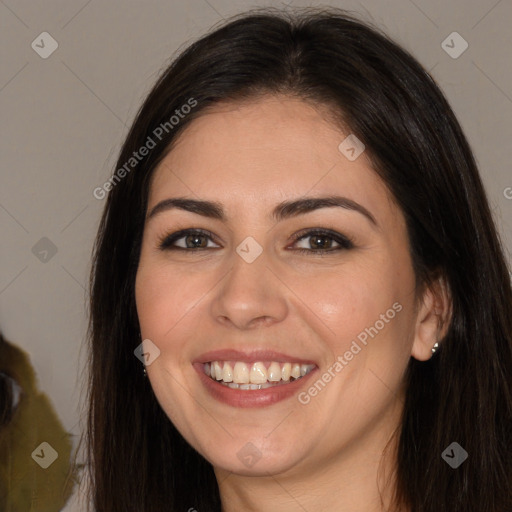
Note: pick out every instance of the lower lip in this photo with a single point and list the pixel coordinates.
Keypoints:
(250, 397)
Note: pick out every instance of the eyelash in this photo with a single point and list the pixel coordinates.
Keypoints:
(345, 243)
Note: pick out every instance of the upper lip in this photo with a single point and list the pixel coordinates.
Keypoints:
(250, 356)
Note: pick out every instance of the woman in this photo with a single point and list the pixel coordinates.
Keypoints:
(298, 247)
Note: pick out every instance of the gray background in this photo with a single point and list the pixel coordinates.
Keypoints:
(64, 119)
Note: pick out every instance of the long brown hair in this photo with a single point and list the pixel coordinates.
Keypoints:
(138, 460)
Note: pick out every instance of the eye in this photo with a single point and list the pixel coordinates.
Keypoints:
(191, 239)
(321, 241)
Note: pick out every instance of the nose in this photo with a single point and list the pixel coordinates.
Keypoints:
(250, 295)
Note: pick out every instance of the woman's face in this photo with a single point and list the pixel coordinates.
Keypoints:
(268, 294)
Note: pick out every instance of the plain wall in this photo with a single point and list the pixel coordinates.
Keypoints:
(64, 119)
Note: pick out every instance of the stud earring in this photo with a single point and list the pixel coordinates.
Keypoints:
(144, 372)
(435, 347)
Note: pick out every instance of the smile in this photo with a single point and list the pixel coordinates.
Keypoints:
(252, 378)
(258, 375)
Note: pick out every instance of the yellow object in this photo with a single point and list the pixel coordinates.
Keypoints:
(35, 469)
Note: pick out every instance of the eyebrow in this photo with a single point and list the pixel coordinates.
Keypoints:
(284, 210)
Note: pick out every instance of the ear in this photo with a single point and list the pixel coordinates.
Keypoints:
(432, 318)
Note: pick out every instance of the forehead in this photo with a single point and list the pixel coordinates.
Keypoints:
(263, 152)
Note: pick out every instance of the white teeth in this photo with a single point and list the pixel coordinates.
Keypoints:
(249, 386)
(258, 374)
(286, 371)
(241, 373)
(227, 373)
(233, 385)
(295, 373)
(274, 372)
(218, 370)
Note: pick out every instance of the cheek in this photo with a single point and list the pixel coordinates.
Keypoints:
(348, 302)
(163, 303)
(368, 310)
(162, 299)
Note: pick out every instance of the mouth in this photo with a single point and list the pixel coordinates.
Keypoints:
(258, 379)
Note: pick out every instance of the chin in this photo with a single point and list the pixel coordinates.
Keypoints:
(256, 457)
(264, 466)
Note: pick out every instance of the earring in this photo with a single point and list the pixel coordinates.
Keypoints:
(435, 347)
(144, 372)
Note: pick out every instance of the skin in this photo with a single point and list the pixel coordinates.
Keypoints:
(328, 454)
